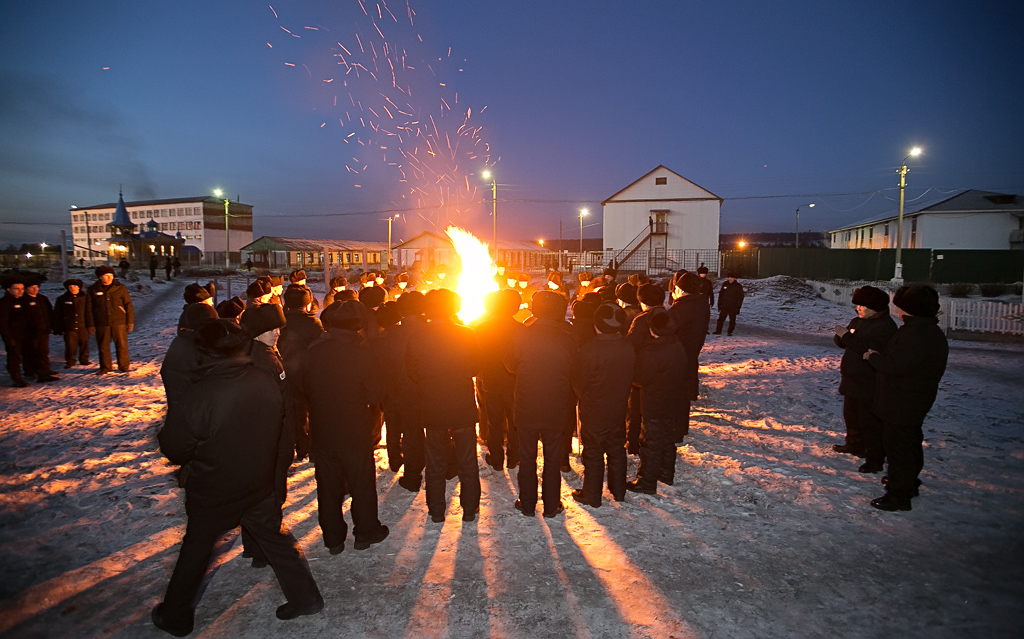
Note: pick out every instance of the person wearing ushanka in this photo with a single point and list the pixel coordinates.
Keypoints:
(111, 314)
(40, 312)
(909, 370)
(337, 285)
(258, 292)
(298, 280)
(231, 309)
(195, 294)
(15, 328)
(69, 320)
(871, 329)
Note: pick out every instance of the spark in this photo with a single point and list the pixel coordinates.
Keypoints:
(272, 10)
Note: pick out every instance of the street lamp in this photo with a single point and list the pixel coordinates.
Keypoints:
(583, 212)
(487, 175)
(227, 236)
(898, 276)
(390, 218)
(810, 206)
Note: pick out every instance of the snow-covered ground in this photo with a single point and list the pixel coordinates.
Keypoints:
(767, 532)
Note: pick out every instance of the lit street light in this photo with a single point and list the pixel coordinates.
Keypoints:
(390, 219)
(582, 213)
(227, 239)
(810, 206)
(916, 151)
(487, 175)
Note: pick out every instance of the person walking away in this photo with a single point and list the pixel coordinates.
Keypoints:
(177, 267)
(152, 267)
(168, 267)
(870, 330)
(730, 300)
(111, 315)
(909, 371)
(301, 329)
(40, 313)
(442, 364)
(226, 430)
(69, 321)
(340, 425)
(602, 380)
(15, 329)
(497, 384)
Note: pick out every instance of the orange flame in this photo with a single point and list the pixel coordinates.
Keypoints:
(477, 278)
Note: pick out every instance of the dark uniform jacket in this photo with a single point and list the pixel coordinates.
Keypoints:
(226, 429)
(495, 340)
(14, 318)
(339, 379)
(730, 296)
(602, 379)
(299, 331)
(692, 314)
(179, 366)
(394, 344)
(109, 305)
(858, 378)
(69, 313)
(660, 372)
(442, 362)
(542, 358)
(639, 330)
(909, 370)
(707, 289)
(40, 313)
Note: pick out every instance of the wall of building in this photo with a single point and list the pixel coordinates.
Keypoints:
(691, 225)
(967, 231)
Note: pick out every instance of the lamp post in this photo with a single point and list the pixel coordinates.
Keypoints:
(487, 175)
(583, 212)
(898, 276)
(227, 235)
(810, 206)
(390, 219)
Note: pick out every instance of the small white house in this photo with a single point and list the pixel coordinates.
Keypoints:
(662, 221)
(971, 219)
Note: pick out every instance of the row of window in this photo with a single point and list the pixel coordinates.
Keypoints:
(316, 259)
(864, 238)
(142, 214)
(164, 226)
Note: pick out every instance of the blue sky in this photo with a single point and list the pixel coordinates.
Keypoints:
(754, 101)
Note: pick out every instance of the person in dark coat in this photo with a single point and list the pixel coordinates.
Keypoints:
(15, 329)
(871, 329)
(226, 431)
(692, 314)
(582, 328)
(337, 284)
(602, 380)
(297, 279)
(401, 401)
(231, 309)
(277, 290)
(625, 295)
(301, 329)
(168, 267)
(152, 267)
(40, 314)
(340, 424)
(177, 267)
(730, 301)
(661, 370)
(372, 297)
(258, 292)
(69, 321)
(195, 294)
(497, 384)
(542, 358)
(649, 296)
(442, 363)
(182, 357)
(707, 287)
(526, 292)
(112, 316)
(909, 371)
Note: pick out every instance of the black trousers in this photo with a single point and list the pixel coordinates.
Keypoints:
(76, 347)
(682, 425)
(634, 420)
(600, 442)
(551, 486)
(655, 450)
(37, 355)
(16, 356)
(464, 440)
(282, 464)
(119, 335)
(393, 439)
(722, 314)
(411, 446)
(263, 521)
(337, 475)
(905, 451)
(570, 431)
(502, 434)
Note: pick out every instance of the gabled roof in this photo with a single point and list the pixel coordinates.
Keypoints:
(274, 243)
(660, 167)
(442, 240)
(178, 200)
(966, 201)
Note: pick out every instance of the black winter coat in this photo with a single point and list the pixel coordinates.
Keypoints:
(178, 370)
(542, 359)
(300, 330)
(339, 379)
(602, 380)
(109, 305)
(661, 373)
(14, 318)
(69, 313)
(857, 376)
(40, 313)
(640, 331)
(707, 289)
(730, 296)
(692, 314)
(226, 429)
(494, 337)
(909, 370)
(442, 363)
(393, 346)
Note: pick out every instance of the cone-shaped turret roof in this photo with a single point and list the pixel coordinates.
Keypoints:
(121, 213)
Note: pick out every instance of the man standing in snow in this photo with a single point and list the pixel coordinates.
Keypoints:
(227, 430)
(15, 328)
(692, 314)
(112, 316)
(69, 321)
(909, 371)
(730, 300)
(40, 313)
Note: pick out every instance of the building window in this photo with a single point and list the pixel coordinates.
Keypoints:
(913, 233)
(871, 236)
(660, 181)
(199, 225)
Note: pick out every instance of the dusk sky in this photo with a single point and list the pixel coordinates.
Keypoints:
(769, 105)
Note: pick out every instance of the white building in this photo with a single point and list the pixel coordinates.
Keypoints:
(969, 220)
(199, 220)
(662, 222)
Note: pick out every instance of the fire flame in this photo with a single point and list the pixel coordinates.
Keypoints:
(477, 278)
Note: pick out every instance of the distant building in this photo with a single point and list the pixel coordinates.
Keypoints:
(428, 249)
(971, 219)
(198, 220)
(288, 253)
(126, 243)
(662, 222)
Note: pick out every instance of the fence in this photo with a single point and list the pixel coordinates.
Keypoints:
(669, 260)
(872, 265)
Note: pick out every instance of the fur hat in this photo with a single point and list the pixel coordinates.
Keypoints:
(297, 297)
(919, 300)
(73, 282)
(258, 288)
(222, 337)
(232, 308)
(523, 277)
(638, 280)
(874, 298)
(387, 315)
(702, 270)
(410, 303)
(372, 296)
(198, 314)
(349, 316)
(586, 276)
(345, 295)
(260, 319)
(583, 312)
(627, 293)
(402, 277)
(689, 283)
(651, 295)
(662, 323)
(276, 280)
(503, 303)
(610, 318)
(195, 293)
(442, 303)
(339, 282)
(100, 270)
(548, 305)
(297, 276)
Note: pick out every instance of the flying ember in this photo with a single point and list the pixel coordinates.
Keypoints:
(477, 278)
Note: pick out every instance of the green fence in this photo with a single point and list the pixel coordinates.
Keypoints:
(919, 265)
